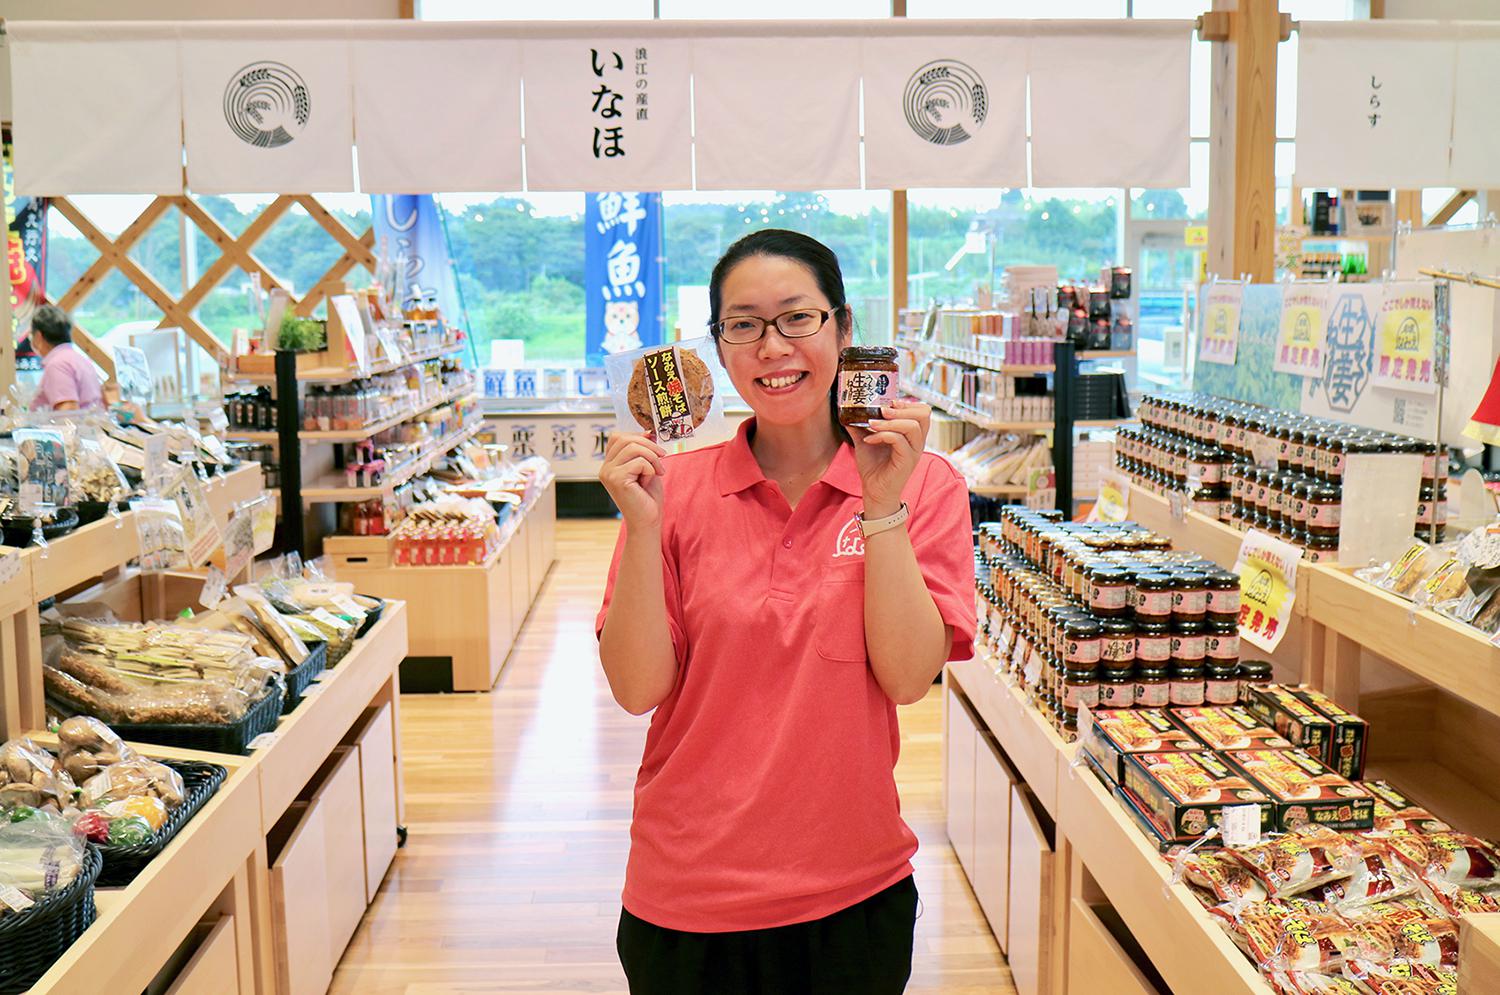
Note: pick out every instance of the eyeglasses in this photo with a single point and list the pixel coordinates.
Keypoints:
(743, 329)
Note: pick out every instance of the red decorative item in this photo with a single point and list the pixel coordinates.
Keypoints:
(1484, 424)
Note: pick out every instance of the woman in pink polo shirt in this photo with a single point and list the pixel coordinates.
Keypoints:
(773, 599)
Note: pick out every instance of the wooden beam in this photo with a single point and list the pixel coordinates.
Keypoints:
(899, 263)
(352, 243)
(332, 282)
(1242, 141)
(1453, 205)
(233, 251)
(1409, 208)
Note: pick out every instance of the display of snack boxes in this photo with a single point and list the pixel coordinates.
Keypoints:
(1304, 790)
(1394, 811)
(1115, 733)
(1292, 717)
(1144, 820)
(1347, 745)
(1229, 727)
(1187, 792)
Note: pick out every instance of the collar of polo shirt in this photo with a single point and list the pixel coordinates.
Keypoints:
(738, 469)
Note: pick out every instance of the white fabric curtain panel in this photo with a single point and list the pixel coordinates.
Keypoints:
(1476, 121)
(94, 113)
(608, 113)
(434, 117)
(1110, 110)
(268, 114)
(944, 111)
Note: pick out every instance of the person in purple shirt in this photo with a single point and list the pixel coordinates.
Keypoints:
(69, 380)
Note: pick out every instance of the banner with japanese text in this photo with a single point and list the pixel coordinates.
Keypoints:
(1219, 323)
(1406, 354)
(25, 252)
(409, 232)
(1300, 347)
(1267, 569)
(622, 273)
(608, 115)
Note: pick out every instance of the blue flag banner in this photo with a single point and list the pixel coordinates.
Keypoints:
(409, 228)
(622, 273)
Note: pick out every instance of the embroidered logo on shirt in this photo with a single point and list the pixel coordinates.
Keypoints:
(851, 540)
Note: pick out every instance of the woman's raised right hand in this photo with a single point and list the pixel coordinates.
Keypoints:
(632, 474)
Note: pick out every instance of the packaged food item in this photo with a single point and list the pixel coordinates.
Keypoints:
(1293, 718)
(1411, 934)
(1303, 790)
(130, 830)
(1456, 901)
(1312, 983)
(1117, 733)
(94, 826)
(868, 380)
(1299, 861)
(1379, 876)
(137, 777)
(668, 392)
(1394, 811)
(1451, 858)
(39, 856)
(31, 777)
(1188, 792)
(87, 746)
(1402, 978)
(1296, 936)
(1230, 728)
(1346, 744)
(148, 808)
(1222, 874)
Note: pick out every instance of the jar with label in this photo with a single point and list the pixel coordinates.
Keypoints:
(1432, 509)
(1189, 641)
(1223, 597)
(1083, 642)
(1117, 689)
(1118, 648)
(1109, 591)
(1152, 687)
(1081, 688)
(1189, 596)
(1153, 644)
(1434, 464)
(868, 380)
(1253, 673)
(1221, 684)
(1325, 508)
(1187, 686)
(1221, 643)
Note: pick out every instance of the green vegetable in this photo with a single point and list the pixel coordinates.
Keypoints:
(21, 813)
(129, 830)
(301, 334)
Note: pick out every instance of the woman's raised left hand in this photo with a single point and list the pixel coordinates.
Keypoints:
(888, 453)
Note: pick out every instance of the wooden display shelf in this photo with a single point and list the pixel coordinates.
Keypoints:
(247, 435)
(1449, 655)
(960, 410)
(331, 492)
(344, 374)
(994, 364)
(1032, 745)
(1479, 954)
(366, 431)
(999, 490)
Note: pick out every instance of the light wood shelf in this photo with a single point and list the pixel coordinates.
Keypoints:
(344, 374)
(366, 431)
(329, 491)
(1029, 740)
(994, 364)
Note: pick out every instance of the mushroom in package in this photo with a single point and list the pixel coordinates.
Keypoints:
(669, 392)
(88, 746)
(30, 778)
(134, 778)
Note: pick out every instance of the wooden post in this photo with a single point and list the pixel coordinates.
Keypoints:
(1242, 141)
(898, 234)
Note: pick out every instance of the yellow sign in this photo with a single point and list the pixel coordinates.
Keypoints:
(1114, 499)
(1406, 349)
(1301, 345)
(1195, 236)
(1219, 329)
(1268, 585)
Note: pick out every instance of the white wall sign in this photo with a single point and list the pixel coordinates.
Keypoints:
(944, 111)
(608, 114)
(414, 132)
(776, 114)
(1476, 120)
(267, 115)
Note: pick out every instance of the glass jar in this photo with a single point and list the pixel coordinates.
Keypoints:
(1187, 686)
(1117, 689)
(1325, 508)
(1189, 641)
(1253, 673)
(1153, 644)
(1221, 684)
(1118, 650)
(1080, 688)
(868, 380)
(1221, 644)
(1109, 591)
(1152, 688)
(1223, 590)
(1083, 642)
(1189, 596)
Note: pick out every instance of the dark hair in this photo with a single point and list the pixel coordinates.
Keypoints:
(794, 245)
(53, 324)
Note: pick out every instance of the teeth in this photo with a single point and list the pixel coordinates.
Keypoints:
(775, 382)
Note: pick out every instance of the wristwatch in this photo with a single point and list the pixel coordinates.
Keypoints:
(875, 526)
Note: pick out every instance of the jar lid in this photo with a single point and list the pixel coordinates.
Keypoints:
(1153, 581)
(1223, 580)
(1255, 668)
(1158, 629)
(1220, 669)
(1187, 579)
(1117, 626)
(1188, 628)
(1222, 627)
(868, 354)
(1144, 671)
(1082, 627)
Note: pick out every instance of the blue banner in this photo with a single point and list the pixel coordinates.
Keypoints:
(622, 273)
(409, 229)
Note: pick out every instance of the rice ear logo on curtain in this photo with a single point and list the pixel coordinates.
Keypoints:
(267, 104)
(946, 102)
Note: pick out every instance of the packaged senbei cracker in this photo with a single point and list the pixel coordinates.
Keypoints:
(1303, 790)
(670, 392)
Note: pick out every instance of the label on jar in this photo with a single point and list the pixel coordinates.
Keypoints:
(1118, 649)
(867, 388)
(1109, 597)
(1153, 604)
(1116, 694)
(1191, 602)
(1326, 516)
(1223, 645)
(1188, 693)
(1078, 695)
(1084, 651)
(1224, 601)
(1189, 645)
(1334, 466)
(1153, 648)
(1432, 513)
(1152, 695)
(1221, 692)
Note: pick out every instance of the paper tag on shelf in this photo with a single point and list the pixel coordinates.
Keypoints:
(12, 896)
(156, 461)
(1085, 724)
(1034, 668)
(1177, 504)
(10, 565)
(348, 606)
(1264, 451)
(263, 740)
(1241, 826)
(218, 420)
(213, 588)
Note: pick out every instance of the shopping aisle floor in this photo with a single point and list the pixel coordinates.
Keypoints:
(518, 806)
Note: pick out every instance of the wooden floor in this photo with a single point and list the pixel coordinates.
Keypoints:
(518, 805)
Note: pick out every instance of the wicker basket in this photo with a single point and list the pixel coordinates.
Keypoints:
(233, 737)
(371, 618)
(32, 941)
(199, 782)
(299, 679)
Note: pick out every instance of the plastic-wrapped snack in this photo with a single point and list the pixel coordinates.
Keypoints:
(1405, 574)
(1457, 901)
(1453, 858)
(293, 648)
(134, 778)
(1300, 936)
(667, 392)
(31, 777)
(1310, 983)
(38, 857)
(1378, 876)
(1402, 979)
(1226, 878)
(1414, 932)
(1395, 812)
(89, 746)
(1301, 860)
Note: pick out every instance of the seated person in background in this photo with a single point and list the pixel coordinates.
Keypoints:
(69, 380)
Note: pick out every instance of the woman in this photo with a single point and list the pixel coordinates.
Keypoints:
(773, 601)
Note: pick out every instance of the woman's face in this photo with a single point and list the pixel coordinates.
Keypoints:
(785, 381)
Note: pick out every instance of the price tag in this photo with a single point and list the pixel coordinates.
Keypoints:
(13, 897)
(156, 460)
(1033, 672)
(1085, 721)
(263, 740)
(1267, 568)
(390, 342)
(97, 787)
(1241, 826)
(1177, 504)
(218, 420)
(347, 606)
(213, 588)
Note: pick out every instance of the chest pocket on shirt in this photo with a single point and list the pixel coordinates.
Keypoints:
(841, 611)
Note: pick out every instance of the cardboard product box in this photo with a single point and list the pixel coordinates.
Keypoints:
(1293, 718)
(1187, 792)
(1116, 733)
(1304, 790)
(1150, 827)
(1347, 745)
(1229, 727)
(1393, 810)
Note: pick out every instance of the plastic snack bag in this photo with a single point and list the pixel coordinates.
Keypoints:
(1301, 860)
(1228, 879)
(1378, 877)
(670, 392)
(1294, 935)
(1449, 858)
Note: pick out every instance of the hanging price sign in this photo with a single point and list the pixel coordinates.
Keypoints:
(1406, 349)
(1268, 586)
(1301, 346)
(1114, 498)
(1219, 327)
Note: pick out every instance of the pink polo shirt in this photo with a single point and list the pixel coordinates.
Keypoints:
(67, 375)
(767, 795)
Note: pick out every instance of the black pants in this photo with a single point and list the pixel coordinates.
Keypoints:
(862, 950)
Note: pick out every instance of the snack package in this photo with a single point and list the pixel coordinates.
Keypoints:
(292, 648)
(1217, 872)
(137, 777)
(1395, 812)
(1379, 876)
(1456, 901)
(1305, 726)
(669, 392)
(1403, 575)
(1116, 733)
(1188, 792)
(1449, 858)
(1412, 933)
(1301, 860)
(163, 539)
(1402, 979)
(42, 470)
(39, 856)
(30, 777)
(1303, 790)
(1312, 983)
(1297, 936)
(1230, 728)
(1345, 752)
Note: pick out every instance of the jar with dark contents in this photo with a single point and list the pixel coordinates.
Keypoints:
(1223, 590)
(1153, 597)
(1117, 688)
(1080, 688)
(1109, 591)
(1189, 641)
(1187, 684)
(1221, 644)
(1189, 596)
(1221, 684)
(1083, 640)
(1253, 673)
(1152, 687)
(1118, 650)
(868, 380)
(1153, 644)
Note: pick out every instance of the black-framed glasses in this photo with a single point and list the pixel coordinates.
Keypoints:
(743, 329)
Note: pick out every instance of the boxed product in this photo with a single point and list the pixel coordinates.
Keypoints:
(1292, 717)
(1116, 733)
(1229, 727)
(1187, 792)
(1304, 791)
(1346, 746)
(1395, 812)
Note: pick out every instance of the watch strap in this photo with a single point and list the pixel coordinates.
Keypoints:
(875, 526)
